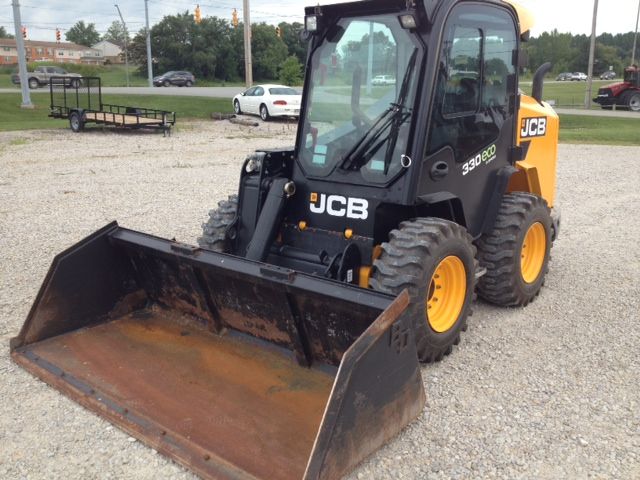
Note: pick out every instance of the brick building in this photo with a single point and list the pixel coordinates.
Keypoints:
(49, 52)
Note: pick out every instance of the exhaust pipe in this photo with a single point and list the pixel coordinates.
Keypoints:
(538, 81)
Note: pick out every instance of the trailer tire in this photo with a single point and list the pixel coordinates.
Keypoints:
(418, 253)
(214, 231)
(516, 252)
(76, 122)
(34, 83)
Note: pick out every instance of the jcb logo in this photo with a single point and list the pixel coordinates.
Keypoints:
(339, 206)
(533, 127)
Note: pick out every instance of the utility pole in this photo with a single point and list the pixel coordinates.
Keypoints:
(149, 64)
(126, 54)
(592, 53)
(22, 61)
(248, 68)
(635, 38)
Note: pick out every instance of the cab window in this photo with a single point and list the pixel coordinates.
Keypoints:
(475, 82)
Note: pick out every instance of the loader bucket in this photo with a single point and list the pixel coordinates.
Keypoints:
(233, 368)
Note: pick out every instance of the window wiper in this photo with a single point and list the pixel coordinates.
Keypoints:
(368, 139)
(398, 120)
(393, 116)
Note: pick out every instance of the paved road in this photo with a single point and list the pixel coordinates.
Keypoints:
(598, 113)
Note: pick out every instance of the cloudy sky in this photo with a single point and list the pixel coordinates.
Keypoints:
(43, 16)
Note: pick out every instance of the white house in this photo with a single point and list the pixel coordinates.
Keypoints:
(110, 51)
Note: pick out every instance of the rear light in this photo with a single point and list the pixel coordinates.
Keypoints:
(279, 102)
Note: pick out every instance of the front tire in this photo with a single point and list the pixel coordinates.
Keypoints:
(435, 260)
(264, 113)
(214, 231)
(236, 107)
(189, 83)
(516, 252)
(166, 83)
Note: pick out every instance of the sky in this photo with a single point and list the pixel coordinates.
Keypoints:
(42, 17)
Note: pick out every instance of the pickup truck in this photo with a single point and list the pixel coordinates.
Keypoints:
(41, 75)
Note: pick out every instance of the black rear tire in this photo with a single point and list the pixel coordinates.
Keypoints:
(501, 251)
(214, 232)
(33, 83)
(631, 100)
(409, 260)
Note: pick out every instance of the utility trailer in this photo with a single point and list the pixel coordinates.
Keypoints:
(81, 103)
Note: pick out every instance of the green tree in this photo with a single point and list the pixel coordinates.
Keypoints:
(268, 51)
(291, 37)
(83, 34)
(291, 71)
(117, 34)
(4, 33)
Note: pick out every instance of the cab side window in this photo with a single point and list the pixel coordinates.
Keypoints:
(475, 81)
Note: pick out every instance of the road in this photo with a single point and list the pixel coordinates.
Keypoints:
(229, 92)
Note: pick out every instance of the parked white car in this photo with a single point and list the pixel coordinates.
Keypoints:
(578, 77)
(383, 80)
(268, 101)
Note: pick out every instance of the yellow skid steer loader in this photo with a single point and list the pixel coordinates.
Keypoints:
(287, 344)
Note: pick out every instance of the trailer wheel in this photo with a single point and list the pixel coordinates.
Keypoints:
(76, 122)
(264, 113)
(631, 100)
(214, 231)
(435, 260)
(516, 252)
(33, 83)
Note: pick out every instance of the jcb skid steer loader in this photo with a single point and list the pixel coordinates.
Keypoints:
(287, 344)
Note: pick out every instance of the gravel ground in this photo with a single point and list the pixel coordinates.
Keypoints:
(549, 391)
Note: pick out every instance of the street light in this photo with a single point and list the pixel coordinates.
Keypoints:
(126, 55)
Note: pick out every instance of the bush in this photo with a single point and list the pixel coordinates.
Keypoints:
(291, 71)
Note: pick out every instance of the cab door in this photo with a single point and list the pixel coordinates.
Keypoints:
(471, 131)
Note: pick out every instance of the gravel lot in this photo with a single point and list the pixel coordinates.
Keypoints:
(549, 391)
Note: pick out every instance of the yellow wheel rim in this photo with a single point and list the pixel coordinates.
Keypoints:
(447, 291)
(534, 249)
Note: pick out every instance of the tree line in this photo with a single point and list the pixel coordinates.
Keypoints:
(213, 49)
(570, 53)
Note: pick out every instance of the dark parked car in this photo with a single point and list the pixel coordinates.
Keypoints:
(610, 75)
(179, 78)
(563, 77)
